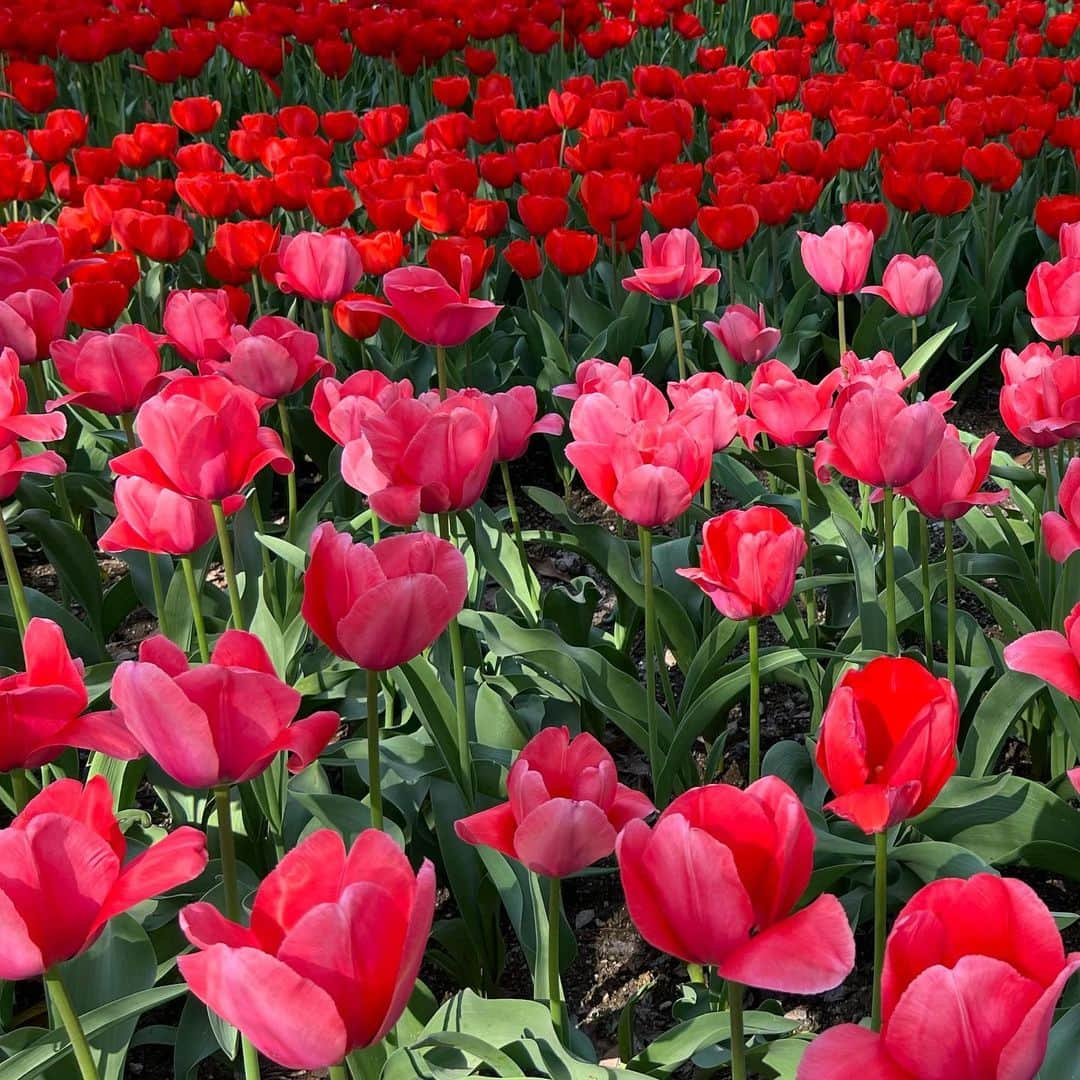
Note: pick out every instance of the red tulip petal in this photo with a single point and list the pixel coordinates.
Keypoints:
(238, 648)
(165, 654)
(204, 926)
(850, 1052)
(103, 731)
(306, 739)
(563, 836)
(20, 956)
(493, 828)
(288, 1018)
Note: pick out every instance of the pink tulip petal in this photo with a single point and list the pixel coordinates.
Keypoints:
(1046, 654)
(850, 1052)
(204, 926)
(1024, 1053)
(563, 836)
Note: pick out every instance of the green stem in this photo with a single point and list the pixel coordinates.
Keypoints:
(21, 790)
(339, 1072)
(515, 524)
(328, 333)
(127, 422)
(680, 352)
(950, 601)
(738, 1034)
(645, 536)
(893, 643)
(14, 580)
(914, 335)
(927, 595)
(159, 592)
(881, 884)
(558, 1013)
(227, 845)
(374, 777)
(440, 370)
(256, 294)
(457, 655)
(755, 702)
(227, 562)
(61, 1002)
(841, 325)
(1050, 494)
(290, 479)
(808, 562)
(196, 607)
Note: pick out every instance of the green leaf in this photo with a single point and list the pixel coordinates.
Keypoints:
(871, 613)
(1062, 1062)
(294, 556)
(926, 351)
(994, 719)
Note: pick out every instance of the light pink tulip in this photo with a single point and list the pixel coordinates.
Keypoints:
(911, 285)
(1053, 299)
(839, 260)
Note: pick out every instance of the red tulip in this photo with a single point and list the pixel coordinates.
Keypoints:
(745, 334)
(220, 723)
(155, 519)
(64, 877)
(790, 410)
(711, 404)
(159, 237)
(874, 215)
(973, 970)
(748, 562)
(728, 227)
(198, 323)
(111, 373)
(15, 422)
(273, 359)
(570, 251)
(949, 486)
(565, 806)
(672, 267)
(424, 304)
(339, 407)
(839, 260)
(201, 438)
(887, 743)
(523, 257)
(195, 115)
(318, 266)
(911, 286)
(1061, 532)
(1052, 657)
(875, 437)
(1053, 299)
(380, 606)
(715, 882)
(334, 947)
(44, 705)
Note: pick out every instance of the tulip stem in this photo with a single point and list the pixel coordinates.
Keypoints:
(339, 1072)
(457, 656)
(127, 422)
(515, 525)
(645, 536)
(892, 640)
(227, 847)
(440, 370)
(927, 595)
(738, 1034)
(881, 886)
(755, 702)
(374, 778)
(328, 334)
(227, 562)
(21, 790)
(196, 608)
(290, 479)
(914, 335)
(841, 326)
(558, 1013)
(14, 580)
(680, 352)
(808, 561)
(950, 601)
(61, 1002)
(159, 592)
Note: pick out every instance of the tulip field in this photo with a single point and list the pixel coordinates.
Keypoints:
(539, 539)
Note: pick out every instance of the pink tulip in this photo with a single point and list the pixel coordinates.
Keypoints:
(1052, 657)
(879, 370)
(911, 285)
(152, 518)
(318, 266)
(34, 254)
(711, 401)
(339, 407)
(672, 267)
(1069, 240)
(198, 323)
(14, 463)
(518, 422)
(1061, 532)
(430, 310)
(950, 484)
(15, 422)
(565, 806)
(33, 318)
(745, 334)
(790, 410)
(1040, 401)
(839, 260)
(1053, 299)
(594, 376)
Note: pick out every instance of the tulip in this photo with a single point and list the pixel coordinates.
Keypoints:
(1041, 394)
(715, 882)
(595, 376)
(380, 607)
(32, 319)
(331, 956)
(1053, 299)
(156, 520)
(880, 370)
(1050, 656)
(1061, 532)
(887, 746)
(745, 334)
(338, 407)
(570, 251)
(973, 970)
(198, 323)
(749, 559)
(712, 405)
(838, 262)
(790, 410)
(321, 267)
(564, 811)
(15, 422)
(911, 286)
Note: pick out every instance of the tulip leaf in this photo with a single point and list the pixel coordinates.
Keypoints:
(294, 556)
(927, 351)
(994, 719)
(871, 612)
(1062, 1062)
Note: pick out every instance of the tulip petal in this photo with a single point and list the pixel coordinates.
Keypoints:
(102, 731)
(288, 1018)
(563, 836)
(1046, 654)
(239, 649)
(652, 495)
(807, 953)
(204, 926)
(875, 807)
(20, 955)
(1024, 1053)
(494, 828)
(306, 739)
(850, 1052)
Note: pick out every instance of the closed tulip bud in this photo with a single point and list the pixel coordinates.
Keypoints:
(198, 323)
(565, 806)
(318, 266)
(911, 286)
(839, 260)
(745, 334)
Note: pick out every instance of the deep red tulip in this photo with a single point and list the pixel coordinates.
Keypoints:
(874, 215)
(911, 286)
(220, 723)
(428, 308)
(380, 606)
(201, 437)
(1053, 299)
(1041, 395)
(273, 359)
(715, 882)
(973, 970)
(728, 227)
(1051, 656)
(839, 260)
(565, 806)
(523, 257)
(334, 946)
(887, 743)
(64, 877)
(1061, 532)
(43, 707)
(158, 237)
(875, 437)
(672, 267)
(111, 373)
(195, 115)
(571, 252)
(745, 334)
(950, 484)
(15, 422)
(790, 410)
(199, 322)
(749, 559)
(155, 519)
